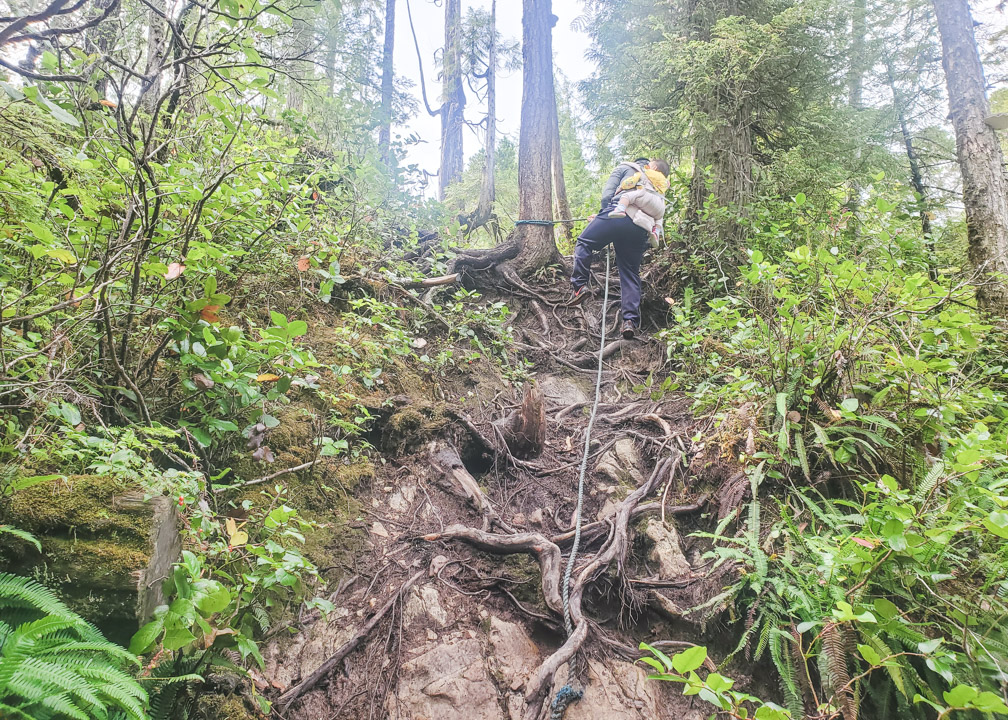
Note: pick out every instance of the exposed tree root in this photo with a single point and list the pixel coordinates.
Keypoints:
(445, 459)
(548, 553)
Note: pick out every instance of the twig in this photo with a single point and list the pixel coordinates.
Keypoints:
(346, 648)
(258, 481)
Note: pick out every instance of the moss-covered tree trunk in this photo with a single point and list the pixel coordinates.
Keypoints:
(453, 98)
(385, 131)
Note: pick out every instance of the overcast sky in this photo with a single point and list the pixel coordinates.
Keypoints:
(569, 53)
(568, 48)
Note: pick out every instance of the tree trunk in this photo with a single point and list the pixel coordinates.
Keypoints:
(453, 99)
(985, 187)
(385, 132)
(536, 246)
(563, 211)
(727, 151)
(299, 68)
(488, 190)
(101, 38)
(855, 74)
(531, 246)
(156, 27)
(722, 142)
(916, 178)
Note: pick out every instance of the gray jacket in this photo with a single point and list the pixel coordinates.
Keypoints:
(622, 172)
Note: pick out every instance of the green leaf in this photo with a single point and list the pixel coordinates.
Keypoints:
(297, 328)
(960, 695)
(145, 637)
(216, 597)
(799, 199)
(870, 655)
(782, 404)
(177, 638)
(997, 523)
(850, 404)
(689, 659)
(989, 702)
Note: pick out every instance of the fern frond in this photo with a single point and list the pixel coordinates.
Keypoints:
(781, 656)
(835, 650)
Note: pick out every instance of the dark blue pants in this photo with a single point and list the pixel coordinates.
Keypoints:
(629, 241)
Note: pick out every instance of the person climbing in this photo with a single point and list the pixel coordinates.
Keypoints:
(642, 197)
(628, 239)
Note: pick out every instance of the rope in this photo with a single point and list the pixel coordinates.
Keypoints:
(549, 222)
(567, 694)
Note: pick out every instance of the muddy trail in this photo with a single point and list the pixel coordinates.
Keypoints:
(451, 605)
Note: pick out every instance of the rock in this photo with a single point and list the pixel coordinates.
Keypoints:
(563, 391)
(287, 659)
(402, 499)
(537, 518)
(447, 682)
(615, 691)
(519, 520)
(512, 653)
(379, 530)
(666, 553)
(436, 565)
(622, 464)
(425, 602)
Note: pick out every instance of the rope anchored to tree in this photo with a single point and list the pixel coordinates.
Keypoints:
(567, 693)
(550, 223)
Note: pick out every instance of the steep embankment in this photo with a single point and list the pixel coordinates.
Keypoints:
(452, 606)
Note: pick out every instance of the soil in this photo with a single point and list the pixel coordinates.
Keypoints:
(405, 512)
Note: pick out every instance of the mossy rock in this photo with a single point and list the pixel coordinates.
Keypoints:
(212, 706)
(105, 550)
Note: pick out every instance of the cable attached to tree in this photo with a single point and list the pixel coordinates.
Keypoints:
(567, 694)
(550, 222)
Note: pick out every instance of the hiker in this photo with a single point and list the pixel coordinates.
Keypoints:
(628, 239)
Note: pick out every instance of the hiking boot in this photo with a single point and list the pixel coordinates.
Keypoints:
(629, 330)
(578, 296)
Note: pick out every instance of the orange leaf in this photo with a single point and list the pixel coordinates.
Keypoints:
(303, 263)
(209, 313)
(267, 377)
(107, 103)
(174, 270)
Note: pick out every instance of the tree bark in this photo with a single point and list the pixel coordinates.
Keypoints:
(723, 143)
(916, 178)
(563, 211)
(385, 131)
(488, 190)
(156, 28)
(855, 74)
(530, 247)
(985, 187)
(453, 99)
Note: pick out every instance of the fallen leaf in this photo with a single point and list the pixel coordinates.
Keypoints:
(209, 313)
(73, 300)
(267, 377)
(174, 271)
(202, 381)
(794, 416)
(419, 343)
(379, 530)
(303, 263)
(238, 539)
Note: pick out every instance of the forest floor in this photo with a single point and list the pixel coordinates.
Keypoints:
(457, 547)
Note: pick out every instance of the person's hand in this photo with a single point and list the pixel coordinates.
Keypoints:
(592, 217)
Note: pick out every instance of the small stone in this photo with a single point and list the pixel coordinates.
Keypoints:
(519, 519)
(472, 634)
(536, 518)
(374, 502)
(484, 614)
(431, 635)
(436, 565)
(389, 488)
(379, 530)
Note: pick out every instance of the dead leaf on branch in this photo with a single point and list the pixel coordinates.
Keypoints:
(175, 270)
(303, 263)
(209, 313)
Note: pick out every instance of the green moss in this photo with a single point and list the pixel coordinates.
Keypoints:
(80, 506)
(525, 571)
(408, 429)
(223, 707)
